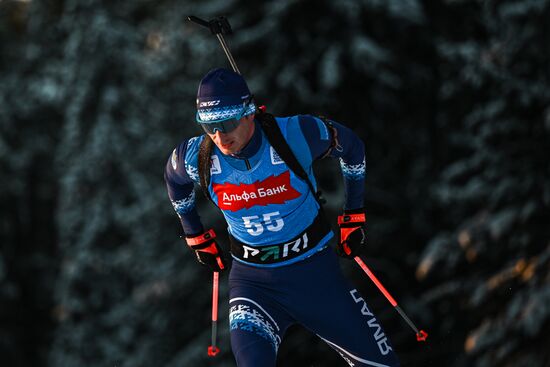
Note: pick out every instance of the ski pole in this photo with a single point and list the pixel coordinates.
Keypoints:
(218, 26)
(421, 335)
(213, 349)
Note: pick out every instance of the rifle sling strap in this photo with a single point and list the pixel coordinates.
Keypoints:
(276, 140)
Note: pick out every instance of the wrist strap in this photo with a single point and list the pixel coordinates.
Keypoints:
(352, 218)
(200, 239)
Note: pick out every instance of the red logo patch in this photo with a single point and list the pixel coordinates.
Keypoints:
(272, 190)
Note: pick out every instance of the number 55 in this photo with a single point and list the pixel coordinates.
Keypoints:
(254, 225)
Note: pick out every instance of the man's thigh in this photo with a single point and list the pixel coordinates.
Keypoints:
(257, 326)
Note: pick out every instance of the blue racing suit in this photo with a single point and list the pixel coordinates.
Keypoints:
(298, 280)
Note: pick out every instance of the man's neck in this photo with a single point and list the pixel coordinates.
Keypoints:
(253, 145)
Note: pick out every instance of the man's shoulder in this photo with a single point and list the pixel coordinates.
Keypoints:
(288, 122)
(192, 146)
(299, 120)
(301, 124)
(184, 157)
(187, 149)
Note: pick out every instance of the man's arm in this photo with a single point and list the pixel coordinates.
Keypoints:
(181, 191)
(349, 149)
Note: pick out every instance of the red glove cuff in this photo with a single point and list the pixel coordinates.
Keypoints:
(204, 242)
(200, 239)
(352, 218)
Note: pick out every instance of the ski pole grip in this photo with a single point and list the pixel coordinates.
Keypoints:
(219, 25)
(199, 21)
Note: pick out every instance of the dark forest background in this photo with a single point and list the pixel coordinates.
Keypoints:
(452, 99)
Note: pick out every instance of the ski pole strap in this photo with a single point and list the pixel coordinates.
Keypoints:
(282, 252)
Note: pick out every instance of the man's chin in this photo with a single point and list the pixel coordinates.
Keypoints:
(228, 151)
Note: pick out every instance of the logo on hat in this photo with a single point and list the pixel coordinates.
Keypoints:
(209, 103)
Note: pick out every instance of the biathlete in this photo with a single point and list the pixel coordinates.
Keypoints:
(257, 169)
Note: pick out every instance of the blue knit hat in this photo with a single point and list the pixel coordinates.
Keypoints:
(223, 95)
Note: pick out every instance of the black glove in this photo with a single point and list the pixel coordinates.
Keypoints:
(207, 250)
(352, 233)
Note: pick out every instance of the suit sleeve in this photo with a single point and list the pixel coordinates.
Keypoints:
(349, 150)
(181, 191)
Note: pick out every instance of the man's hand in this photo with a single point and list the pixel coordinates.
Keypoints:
(352, 233)
(207, 250)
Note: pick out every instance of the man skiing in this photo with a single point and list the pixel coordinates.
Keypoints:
(259, 173)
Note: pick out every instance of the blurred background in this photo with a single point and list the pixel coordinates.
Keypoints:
(452, 99)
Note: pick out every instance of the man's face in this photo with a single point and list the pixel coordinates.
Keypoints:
(234, 141)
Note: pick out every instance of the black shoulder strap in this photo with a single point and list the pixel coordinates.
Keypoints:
(205, 151)
(278, 142)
